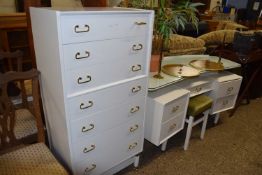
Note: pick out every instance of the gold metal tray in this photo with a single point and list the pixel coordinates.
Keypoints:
(207, 65)
(180, 70)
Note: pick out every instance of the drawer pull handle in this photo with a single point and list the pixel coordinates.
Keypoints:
(136, 68)
(225, 102)
(132, 146)
(81, 81)
(140, 23)
(86, 28)
(87, 170)
(229, 90)
(91, 126)
(82, 105)
(175, 109)
(137, 47)
(86, 150)
(134, 109)
(132, 129)
(78, 57)
(172, 127)
(136, 89)
(198, 89)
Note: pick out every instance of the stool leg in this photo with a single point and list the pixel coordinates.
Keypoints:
(188, 132)
(203, 130)
(163, 146)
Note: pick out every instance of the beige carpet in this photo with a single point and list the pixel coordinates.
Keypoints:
(232, 147)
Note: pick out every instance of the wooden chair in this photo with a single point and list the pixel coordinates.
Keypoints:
(33, 159)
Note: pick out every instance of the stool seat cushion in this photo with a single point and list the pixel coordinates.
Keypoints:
(198, 105)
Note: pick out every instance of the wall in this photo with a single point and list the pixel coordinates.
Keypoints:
(7, 6)
(213, 3)
(66, 3)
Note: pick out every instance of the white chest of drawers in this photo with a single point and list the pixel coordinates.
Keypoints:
(94, 69)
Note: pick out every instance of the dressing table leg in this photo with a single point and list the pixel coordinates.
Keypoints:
(136, 162)
(163, 146)
(216, 118)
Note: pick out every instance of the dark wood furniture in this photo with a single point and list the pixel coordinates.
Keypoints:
(13, 36)
(33, 159)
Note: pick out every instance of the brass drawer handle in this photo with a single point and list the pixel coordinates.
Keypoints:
(85, 129)
(198, 89)
(140, 23)
(225, 102)
(86, 150)
(136, 89)
(175, 109)
(86, 28)
(134, 109)
(78, 57)
(229, 90)
(132, 146)
(172, 127)
(136, 68)
(137, 47)
(132, 129)
(81, 81)
(87, 170)
(82, 105)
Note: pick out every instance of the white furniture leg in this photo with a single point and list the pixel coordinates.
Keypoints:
(163, 146)
(136, 162)
(189, 130)
(203, 130)
(216, 118)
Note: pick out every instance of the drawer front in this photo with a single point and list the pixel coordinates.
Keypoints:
(108, 149)
(104, 52)
(82, 28)
(99, 122)
(223, 104)
(102, 74)
(99, 100)
(227, 88)
(171, 127)
(175, 107)
(200, 89)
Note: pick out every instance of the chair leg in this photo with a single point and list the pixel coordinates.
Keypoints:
(203, 130)
(188, 133)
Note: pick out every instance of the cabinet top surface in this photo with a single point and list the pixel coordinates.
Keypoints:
(74, 10)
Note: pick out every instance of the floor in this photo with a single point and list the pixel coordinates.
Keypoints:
(232, 147)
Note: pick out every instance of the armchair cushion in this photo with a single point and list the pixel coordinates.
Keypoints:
(180, 45)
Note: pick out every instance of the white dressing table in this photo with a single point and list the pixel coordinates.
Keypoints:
(168, 97)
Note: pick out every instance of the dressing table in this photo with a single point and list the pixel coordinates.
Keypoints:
(168, 97)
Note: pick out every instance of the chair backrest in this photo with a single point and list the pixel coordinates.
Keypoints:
(9, 106)
(11, 61)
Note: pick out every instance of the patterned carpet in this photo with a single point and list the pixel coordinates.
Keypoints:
(232, 147)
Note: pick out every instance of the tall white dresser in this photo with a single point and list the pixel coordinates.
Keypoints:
(94, 64)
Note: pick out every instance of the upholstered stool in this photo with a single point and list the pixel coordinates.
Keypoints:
(197, 105)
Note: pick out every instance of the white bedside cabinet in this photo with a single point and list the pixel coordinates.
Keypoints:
(94, 65)
(165, 114)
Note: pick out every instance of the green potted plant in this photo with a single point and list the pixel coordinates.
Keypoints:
(168, 19)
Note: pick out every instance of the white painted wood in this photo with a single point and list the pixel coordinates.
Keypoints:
(225, 90)
(163, 146)
(203, 129)
(110, 26)
(103, 112)
(188, 132)
(95, 53)
(159, 106)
